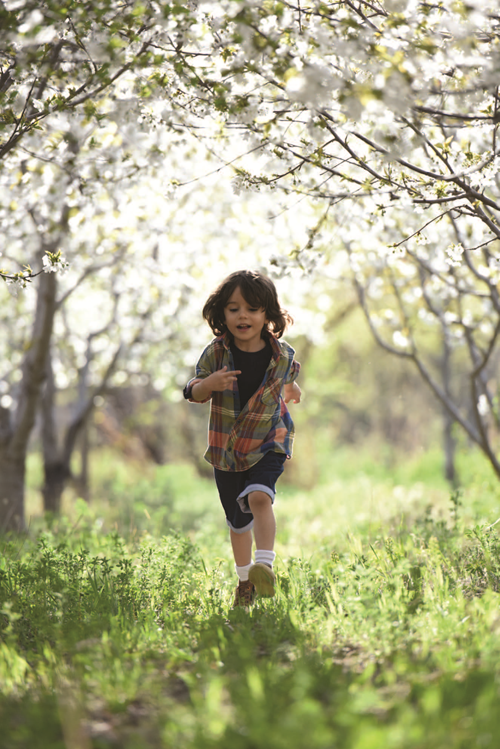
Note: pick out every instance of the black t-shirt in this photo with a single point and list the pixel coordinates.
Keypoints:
(253, 365)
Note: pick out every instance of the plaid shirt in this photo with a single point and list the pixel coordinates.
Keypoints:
(237, 441)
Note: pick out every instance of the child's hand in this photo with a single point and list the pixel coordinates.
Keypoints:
(202, 388)
(292, 392)
(222, 379)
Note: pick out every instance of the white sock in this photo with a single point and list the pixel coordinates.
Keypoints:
(265, 556)
(242, 572)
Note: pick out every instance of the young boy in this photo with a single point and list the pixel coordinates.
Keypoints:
(249, 375)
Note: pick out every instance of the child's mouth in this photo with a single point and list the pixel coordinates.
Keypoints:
(243, 327)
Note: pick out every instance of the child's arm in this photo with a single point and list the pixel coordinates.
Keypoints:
(201, 390)
(291, 392)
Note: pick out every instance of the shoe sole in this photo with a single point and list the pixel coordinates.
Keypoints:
(263, 579)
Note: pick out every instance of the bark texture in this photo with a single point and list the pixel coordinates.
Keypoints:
(16, 426)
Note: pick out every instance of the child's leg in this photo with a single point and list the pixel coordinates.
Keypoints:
(264, 527)
(247, 498)
(242, 547)
(240, 523)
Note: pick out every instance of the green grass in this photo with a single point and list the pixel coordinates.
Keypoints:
(117, 629)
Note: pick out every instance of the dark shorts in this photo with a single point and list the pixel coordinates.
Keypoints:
(234, 488)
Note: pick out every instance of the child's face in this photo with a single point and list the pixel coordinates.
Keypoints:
(245, 322)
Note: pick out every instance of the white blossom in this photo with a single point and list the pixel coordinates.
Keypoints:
(399, 339)
(483, 406)
(454, 254)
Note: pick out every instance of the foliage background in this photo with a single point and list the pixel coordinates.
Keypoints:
(350, 150)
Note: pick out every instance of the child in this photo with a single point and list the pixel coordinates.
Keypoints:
(249, 375)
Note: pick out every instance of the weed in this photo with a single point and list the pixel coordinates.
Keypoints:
(384, 630)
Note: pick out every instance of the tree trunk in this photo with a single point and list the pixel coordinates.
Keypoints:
(54, 467)
(15, 429)
(57, 453)
(448, 421)
(449, 450)
(56, 476)
(83, 477)
(12, 475)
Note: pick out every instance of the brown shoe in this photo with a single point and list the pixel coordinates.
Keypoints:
(244, 594)
(263, 578)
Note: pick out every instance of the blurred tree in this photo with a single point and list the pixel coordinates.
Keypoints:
(387, 115)
(118, 271)
(428, 300)
(351, 396)
(17, 417)
(57, 453)
(374, 110)
(73, 105)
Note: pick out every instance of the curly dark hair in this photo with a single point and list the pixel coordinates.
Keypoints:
(258, 291)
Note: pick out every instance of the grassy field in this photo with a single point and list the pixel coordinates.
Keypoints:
(117, 630)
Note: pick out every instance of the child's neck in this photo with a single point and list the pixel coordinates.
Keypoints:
(251, 347)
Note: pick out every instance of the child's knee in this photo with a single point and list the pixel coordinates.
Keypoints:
(258, 501)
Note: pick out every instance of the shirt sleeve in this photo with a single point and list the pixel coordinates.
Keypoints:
(293, 372)
(204, 367)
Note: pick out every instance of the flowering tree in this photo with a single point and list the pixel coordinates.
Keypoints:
(386, 114)
(383, 113)
(90, 110)
(74, 127)
(114, 305)
(441, 312)
(375, 103)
